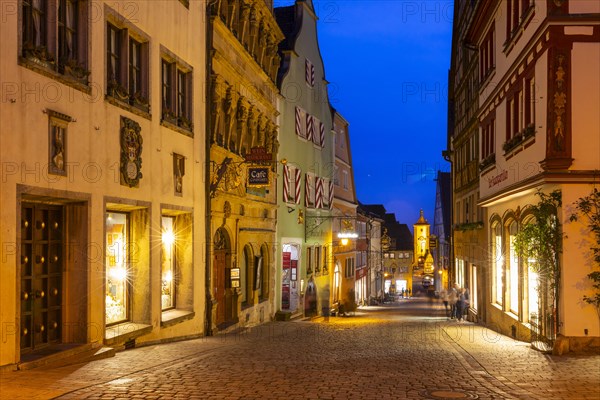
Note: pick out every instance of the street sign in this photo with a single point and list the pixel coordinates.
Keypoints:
(432, 242)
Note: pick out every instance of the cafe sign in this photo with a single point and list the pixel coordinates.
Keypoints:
(258, 176)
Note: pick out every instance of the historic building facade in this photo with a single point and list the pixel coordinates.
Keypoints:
(102, 195)
(348, 244)
(468, 236)
(441, 230)
(243, 161)
(538, 127)
(304, 258)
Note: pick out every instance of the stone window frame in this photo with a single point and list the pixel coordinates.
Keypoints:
(176, 113)
(119, 88)
(184, 264)
(44, 54)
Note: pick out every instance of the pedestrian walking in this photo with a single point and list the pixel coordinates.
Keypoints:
(452, 298)
(461, 303)
(444, 297)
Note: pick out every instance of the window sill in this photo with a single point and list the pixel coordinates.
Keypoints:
(512, 315)
(487, 79)
(124, 332)
(45, 69)
(173, 317)
(126, 106)
(177, 128)
(520, 146)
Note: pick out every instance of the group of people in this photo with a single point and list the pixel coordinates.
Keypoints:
(456, 302)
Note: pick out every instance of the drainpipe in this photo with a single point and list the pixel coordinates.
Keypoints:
(207, 198)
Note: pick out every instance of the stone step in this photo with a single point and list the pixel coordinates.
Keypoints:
(62, 355)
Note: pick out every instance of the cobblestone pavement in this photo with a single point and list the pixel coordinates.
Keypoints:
(406, 350)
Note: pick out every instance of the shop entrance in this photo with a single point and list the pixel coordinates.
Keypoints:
(222, 277)
(42, 262)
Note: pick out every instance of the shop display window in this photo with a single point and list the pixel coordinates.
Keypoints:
(168, 266)
(117, 268)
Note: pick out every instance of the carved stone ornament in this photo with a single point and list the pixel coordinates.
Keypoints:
(178, 173)
(131, 152)
(219, 240)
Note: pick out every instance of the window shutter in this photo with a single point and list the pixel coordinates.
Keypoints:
(298, 174)
(300, 122)
(319, 200)
(286, 183)
(330, 195)
(321, 134)
(310, 127)
(306, 191)
(309, 73)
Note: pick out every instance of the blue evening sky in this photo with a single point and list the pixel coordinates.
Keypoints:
(387, 63)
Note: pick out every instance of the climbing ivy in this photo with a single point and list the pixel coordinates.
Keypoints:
(541, 240)
(588, 212)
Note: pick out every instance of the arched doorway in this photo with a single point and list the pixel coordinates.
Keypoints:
(221, 277)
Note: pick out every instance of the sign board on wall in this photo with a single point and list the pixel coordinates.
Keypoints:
(258, 176)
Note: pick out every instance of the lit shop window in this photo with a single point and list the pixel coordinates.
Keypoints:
(117, 283)
(168, 263)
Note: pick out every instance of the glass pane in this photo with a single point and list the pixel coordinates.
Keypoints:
(168, 263)
(514, 271)
(116, 267)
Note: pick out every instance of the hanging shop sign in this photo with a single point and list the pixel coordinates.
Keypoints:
(258, 155)
(235, 277)
(258, 176)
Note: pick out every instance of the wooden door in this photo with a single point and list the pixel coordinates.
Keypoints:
(41, 275)
(219, 284)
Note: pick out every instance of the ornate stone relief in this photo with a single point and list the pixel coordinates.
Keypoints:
(131, 152)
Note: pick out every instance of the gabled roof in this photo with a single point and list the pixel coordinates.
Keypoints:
(290, 26)
(377, 209)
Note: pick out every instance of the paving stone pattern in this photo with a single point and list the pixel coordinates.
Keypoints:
(405, 350)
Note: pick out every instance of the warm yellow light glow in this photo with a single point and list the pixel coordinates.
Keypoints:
(168, 237)
(119, 273)
(168, 276)
(347, 235)
(344, 241)
(440, 272)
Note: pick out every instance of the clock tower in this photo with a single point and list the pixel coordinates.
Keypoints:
(422, 255)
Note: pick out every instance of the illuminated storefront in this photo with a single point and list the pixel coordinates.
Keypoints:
(117, 265)
(168, 265)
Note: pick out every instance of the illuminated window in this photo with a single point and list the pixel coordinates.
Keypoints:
(117, 267)
(168, 266)
(349, 267)
(513, 270)
(336, 283)
(54, 36)
(497, 263)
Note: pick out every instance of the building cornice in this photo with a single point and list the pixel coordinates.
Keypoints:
(527, 186)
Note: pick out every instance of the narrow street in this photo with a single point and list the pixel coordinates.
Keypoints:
(406, 349)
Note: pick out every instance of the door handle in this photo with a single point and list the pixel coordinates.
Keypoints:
(39, 294)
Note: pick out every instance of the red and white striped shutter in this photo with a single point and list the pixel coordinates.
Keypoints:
(306, 191)
(299, 121)
(319, 200)
(322, 134)
(309, 73)
(330, 195)
(310, 127)
(297, 181)
(286, 183)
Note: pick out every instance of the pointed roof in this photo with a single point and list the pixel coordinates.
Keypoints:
(422, 220)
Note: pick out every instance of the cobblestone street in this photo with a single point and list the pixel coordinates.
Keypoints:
(404, 350)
